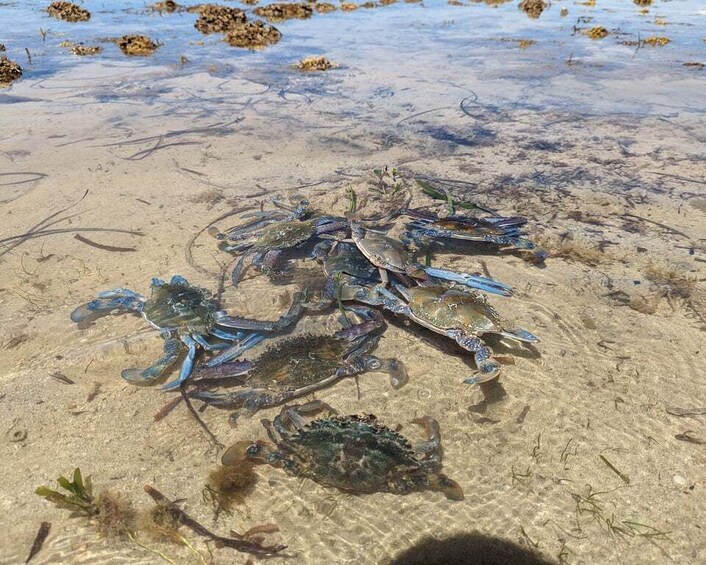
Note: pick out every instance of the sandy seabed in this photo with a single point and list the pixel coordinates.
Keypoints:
(621, 310)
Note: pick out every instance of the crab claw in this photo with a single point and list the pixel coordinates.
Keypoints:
(451, 489)
(488, 369)
(245, 450)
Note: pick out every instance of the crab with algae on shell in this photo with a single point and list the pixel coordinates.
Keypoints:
(299, 365)
(355, 454)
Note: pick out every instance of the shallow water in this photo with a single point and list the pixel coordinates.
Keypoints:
(588, 137)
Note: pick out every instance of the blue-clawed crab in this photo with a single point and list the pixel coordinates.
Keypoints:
(296, 366)
(461, 315)
(389, 254)
(498, 230)
(185, 315)
(355, 454)
(266, 239)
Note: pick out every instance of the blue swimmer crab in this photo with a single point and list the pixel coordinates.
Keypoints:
(297, 366)
(389, 254)
(266, 239)
(355, 454)
(499, 230)
(184, 314)
(463, 316)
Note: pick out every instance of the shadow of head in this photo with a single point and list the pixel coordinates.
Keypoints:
(468, 549)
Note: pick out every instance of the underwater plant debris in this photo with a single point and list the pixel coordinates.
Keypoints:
(68, 12)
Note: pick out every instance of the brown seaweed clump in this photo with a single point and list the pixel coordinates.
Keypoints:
(217, 19)
(656, 41)
(533, 8)
(116, 516)
(315, 64)
(452, 3)
(280, 11)
(253, 35)
(349, 6)
(642, 2)
(9, 70)
(324, 7)
(230, 484)
(387, 2)
(597, 32)
(2, 48)
(81, 49)
(68, 12)
(137, 45)
(168, 6)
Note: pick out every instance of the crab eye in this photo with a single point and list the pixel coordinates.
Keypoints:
(254, 449)
(374, 364)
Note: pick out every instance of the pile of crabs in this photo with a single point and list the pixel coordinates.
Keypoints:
(364, 272)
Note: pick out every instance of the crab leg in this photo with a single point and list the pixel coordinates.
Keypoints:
(286, 320)
(431, 448)
(201, 340)
(236, 351)
(472, 281)
(118, 299)
(187, 365)
(172, 347)
(488, 368)
(227, 336)
(518, 334)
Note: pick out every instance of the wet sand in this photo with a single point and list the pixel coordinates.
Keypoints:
(606, 149)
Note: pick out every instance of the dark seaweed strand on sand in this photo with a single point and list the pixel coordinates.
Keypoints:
(39, 540)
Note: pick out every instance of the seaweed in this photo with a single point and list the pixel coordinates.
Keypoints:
(235, 541)
(591, 504)
(228, 485)
(102, 246)
(444, 194)
(39, 540)
(79, 498)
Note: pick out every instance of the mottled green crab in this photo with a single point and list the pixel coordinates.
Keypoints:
(355, 454)
(297, 366)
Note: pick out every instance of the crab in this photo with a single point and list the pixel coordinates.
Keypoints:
(266, 239)
(498, 230)
(297, 366)
(461, 315)
(389, 254)
(185, 315)
(355, 454)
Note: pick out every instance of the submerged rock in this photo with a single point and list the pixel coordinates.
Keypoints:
(9, 70)
(68, 12)
(324, 7)
(81, 49)
(533, 8)
(217, 19)
(280, 11)
(168, 6)
(138, 45)
(316, 64)
(253, 35)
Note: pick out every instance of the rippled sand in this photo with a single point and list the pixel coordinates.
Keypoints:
(584, 138)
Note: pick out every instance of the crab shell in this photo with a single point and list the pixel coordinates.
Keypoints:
(298, 362)
(469, 225)
(383, 251)
(285, 234)
(359, 455)
(180, 306)
(448, 309)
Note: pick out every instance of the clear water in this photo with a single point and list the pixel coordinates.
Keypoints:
(591, 138)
